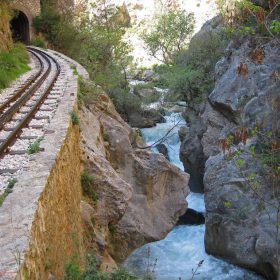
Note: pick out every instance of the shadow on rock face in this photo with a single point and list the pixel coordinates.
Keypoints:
(163, 150)
(191, 217)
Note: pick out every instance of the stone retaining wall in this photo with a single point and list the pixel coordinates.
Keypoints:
(40, 223)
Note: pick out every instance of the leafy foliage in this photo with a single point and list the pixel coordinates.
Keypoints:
(39, 41)
(104, 54)
(125, 102)
(250, 18)
(8, 190)
(87, 184)
(13, 64)
(172, 32)
(75, 118)
(191, 77)
(73, 272)
(34, 147)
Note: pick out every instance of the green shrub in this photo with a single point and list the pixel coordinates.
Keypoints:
(34, 147)
(13, 64)
(191, 76)
(75, 118)
(72, 271)
(87, 184)
(88, 92)
(8, 190)
(91, 272)
(151, 98)
(39, 41)
(125, 102)
(122, 274)
(149, 85)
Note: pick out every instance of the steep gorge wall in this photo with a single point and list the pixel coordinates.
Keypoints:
(241, 192)
(140, 194)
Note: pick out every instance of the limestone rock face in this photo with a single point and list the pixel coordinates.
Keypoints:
(240, 219)
(140, 194)
(236, 228)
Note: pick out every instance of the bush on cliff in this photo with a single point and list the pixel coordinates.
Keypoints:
(249, 18)
(73, 271)
(87, 181)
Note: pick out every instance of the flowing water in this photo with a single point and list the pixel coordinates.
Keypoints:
(175, 256)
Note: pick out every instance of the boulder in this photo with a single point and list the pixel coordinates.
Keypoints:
(145, 118)
(140, 194)
(145, 92)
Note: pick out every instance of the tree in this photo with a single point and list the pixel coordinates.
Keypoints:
(171, 34)
(100, 33)
(105, 52)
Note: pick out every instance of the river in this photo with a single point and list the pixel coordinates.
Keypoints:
(175, 256)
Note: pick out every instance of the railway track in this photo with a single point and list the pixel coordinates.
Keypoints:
(25, 114)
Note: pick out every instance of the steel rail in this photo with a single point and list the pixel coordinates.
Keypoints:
(8, 115)
(28, 117)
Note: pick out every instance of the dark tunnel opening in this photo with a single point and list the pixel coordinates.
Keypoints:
(20, 28)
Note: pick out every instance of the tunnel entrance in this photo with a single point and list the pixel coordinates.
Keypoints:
(20, 28)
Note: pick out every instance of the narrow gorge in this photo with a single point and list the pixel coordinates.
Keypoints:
(140, 140)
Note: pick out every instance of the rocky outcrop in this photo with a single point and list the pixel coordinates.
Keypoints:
(241, 193)
(140, 194)
(144, 118)
(240, 227)
(191, 154)
(5, 33)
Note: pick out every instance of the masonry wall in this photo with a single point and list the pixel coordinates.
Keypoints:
(31, 8)
(57, 230)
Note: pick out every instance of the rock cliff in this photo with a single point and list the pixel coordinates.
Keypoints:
(140, 194)
(5, 33)
(241, 200)
(234, 134)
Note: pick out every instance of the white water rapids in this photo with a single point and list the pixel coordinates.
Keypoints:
(183, 248)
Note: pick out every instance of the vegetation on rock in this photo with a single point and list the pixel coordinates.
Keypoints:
(8, 190)
(87, 181)
(73, 271)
